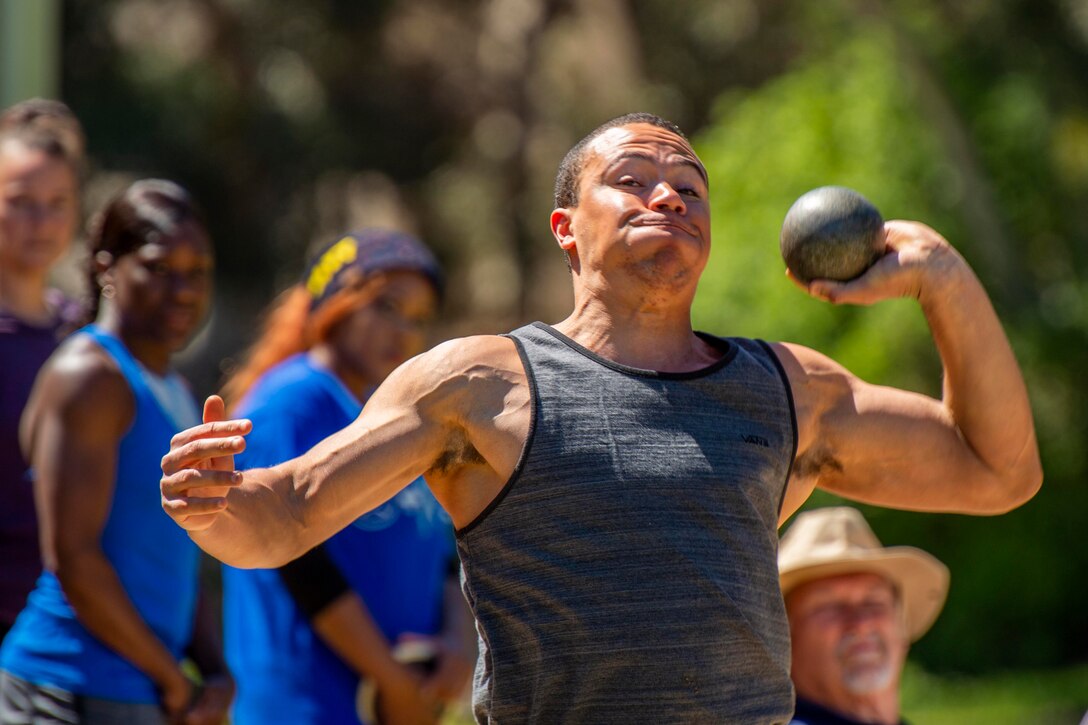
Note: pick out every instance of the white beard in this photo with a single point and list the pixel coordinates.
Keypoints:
(869, 672)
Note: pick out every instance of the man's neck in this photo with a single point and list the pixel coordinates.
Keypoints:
(647, 334)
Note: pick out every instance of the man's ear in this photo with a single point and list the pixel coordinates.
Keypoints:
(561, 223)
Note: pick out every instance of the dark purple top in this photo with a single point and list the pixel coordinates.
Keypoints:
(23, 350)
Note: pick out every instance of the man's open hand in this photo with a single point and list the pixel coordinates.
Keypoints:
(198, 472)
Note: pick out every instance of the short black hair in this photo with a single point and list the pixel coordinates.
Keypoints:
(570, 168)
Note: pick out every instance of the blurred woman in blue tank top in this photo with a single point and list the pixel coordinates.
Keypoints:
(106, 628)
(301, 639)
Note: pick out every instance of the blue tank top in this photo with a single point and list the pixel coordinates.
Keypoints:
(395, 558)
(628, 571)
(154, 559)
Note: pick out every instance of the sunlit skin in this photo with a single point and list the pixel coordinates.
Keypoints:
(373, 340)
(849, 645)
(39, 211)
(162, 291)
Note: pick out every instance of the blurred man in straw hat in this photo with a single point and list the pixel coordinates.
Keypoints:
(854, 607)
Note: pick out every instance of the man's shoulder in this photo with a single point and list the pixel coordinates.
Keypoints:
(466, 355)
(459, 376)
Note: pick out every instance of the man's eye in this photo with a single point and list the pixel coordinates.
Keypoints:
(628, 181)
(877, 608)
(827, 611)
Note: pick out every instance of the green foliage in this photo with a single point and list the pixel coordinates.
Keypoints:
(1015, 698)
(858, 113)
(842, 120)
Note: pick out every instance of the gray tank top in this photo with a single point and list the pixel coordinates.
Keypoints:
(627, 573)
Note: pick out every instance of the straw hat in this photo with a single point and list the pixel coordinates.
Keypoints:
(831, 541)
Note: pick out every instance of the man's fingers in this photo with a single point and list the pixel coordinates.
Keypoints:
(194, 452)
(186, 508)
(197, 522)
(194, 498)
(214, 409)
(215, 429)
(198, 471)
(202, 482)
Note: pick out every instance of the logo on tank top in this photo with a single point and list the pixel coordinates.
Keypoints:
(756, 440)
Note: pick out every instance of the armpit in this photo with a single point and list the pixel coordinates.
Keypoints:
(458, 453)
(816, 464)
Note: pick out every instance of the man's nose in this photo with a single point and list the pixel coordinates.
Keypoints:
(861, 617)
(664, 196)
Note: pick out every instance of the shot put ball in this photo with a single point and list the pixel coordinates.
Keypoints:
(831, 233)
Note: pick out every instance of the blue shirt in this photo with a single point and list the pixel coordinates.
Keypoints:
(395, 558)
(154, 559)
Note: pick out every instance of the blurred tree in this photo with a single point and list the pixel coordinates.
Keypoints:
(866, 104)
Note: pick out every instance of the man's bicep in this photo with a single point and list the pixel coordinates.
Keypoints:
(873, 443)
(394, 440)
(891, 447)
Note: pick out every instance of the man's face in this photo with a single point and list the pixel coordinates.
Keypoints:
(849, 637)
(642, 206)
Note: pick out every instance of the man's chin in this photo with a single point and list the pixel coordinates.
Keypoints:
(867, 679)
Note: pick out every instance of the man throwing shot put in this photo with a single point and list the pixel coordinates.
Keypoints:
(617, 479)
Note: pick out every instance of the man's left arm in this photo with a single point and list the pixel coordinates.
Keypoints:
(974, 451)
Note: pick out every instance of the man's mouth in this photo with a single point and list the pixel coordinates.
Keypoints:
(665, 224)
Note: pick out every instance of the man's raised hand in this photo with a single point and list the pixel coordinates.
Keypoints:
(198, 472)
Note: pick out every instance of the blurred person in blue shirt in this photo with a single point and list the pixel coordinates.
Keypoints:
(301, 639)
(118, 608)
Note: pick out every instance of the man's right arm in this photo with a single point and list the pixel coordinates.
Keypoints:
(267, 517)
